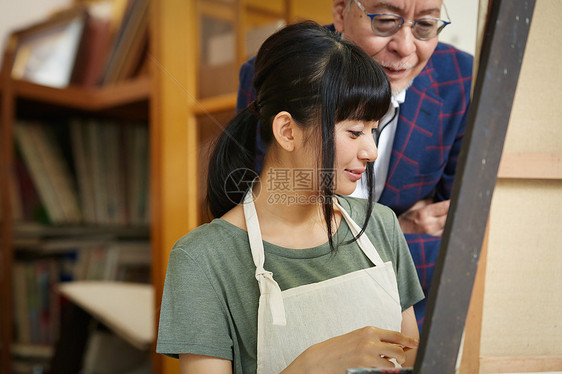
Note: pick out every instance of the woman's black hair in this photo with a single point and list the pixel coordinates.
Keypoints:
(320, 80)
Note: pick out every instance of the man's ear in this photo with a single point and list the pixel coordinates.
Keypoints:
(338, 12)
(285, 130)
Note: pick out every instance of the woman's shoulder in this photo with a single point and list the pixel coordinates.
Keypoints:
(209, 238)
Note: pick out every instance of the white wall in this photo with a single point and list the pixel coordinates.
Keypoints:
(16, 14)
(462, 31)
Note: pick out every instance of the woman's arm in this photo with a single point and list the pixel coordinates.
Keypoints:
(190, 363)
(365, 347)
(410, 328)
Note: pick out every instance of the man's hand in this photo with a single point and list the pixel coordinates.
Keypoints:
(425, 217)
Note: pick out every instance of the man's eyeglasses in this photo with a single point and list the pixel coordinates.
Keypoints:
(386, 24)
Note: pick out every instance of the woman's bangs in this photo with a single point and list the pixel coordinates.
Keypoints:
(364, 94)
(362, 106)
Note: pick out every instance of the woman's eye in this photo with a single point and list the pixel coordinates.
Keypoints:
(356, 133)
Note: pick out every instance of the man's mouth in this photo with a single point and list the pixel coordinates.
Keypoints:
(396, 69)
(390, 68)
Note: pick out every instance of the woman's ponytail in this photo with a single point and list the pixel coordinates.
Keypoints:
(232, 163)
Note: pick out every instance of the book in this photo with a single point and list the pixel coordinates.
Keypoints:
(32, 302)
(106, 22)
(57, 170)
(132, 261)
(127, 54)
(105, 181)
(37, 169)
(22, 327)
(138, 164)
(112, 167)
(99, 176)
(32, 207)
(111, 162)
(83, 166)
(49, 171)
(95, 45)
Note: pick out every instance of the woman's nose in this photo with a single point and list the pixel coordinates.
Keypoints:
(369, 151)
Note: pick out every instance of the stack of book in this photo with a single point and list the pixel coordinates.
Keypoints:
(84, 172)
(115, 42)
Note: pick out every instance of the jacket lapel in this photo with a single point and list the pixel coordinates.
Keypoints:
(418, 119)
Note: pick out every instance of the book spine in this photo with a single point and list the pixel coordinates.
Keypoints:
(83, 164)
(57, 173)
(37, 170)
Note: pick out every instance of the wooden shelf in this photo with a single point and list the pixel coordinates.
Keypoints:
(531, 165)
(34, 230)
(94, 99)
(215, 104)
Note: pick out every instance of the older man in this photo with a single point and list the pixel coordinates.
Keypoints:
(419, 139)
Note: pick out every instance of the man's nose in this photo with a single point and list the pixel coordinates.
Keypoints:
(403, 42)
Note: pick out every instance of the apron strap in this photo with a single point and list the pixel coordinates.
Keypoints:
(363, 241)
(268, 286)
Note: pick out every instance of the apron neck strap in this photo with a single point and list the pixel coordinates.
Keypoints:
(254, 231)
(268, 286)
(363, 241)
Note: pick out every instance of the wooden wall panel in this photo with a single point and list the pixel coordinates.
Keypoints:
(523, 305)
(535, 124)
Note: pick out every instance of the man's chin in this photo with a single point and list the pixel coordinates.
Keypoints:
(399, 87)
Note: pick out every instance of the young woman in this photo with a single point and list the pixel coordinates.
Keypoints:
(293, 277)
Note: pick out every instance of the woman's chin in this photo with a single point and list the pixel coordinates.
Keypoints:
(348, 189)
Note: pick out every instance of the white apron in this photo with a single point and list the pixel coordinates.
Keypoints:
(290, 321)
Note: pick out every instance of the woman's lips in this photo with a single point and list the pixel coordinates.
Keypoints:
(355, 174)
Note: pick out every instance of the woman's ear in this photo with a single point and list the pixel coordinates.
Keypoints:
(338, 13)
(285, 130)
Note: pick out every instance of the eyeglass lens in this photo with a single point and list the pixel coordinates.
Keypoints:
(389, 24)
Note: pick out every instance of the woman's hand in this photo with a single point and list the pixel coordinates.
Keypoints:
(366, 347)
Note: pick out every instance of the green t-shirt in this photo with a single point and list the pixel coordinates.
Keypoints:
(210, 299)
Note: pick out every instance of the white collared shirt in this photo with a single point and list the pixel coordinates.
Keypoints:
(384, 150)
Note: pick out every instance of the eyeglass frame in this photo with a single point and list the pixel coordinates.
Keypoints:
(413, 23)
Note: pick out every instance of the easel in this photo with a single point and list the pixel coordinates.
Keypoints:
(499, 66)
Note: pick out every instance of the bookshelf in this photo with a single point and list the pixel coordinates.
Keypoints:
(29, 247)
(184, 97)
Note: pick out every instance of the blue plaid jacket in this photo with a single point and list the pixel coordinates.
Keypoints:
(426, 145)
